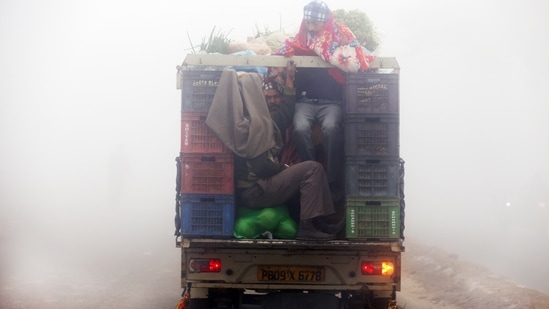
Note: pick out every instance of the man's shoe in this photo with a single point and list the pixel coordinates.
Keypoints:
(329, 226)
(307, 231)
(337, 193)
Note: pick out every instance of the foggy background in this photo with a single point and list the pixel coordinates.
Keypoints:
(89, 130)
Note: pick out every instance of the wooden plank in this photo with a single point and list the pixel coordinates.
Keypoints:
(253, 60)
(385, 63)
(380, 64)
(274, 61)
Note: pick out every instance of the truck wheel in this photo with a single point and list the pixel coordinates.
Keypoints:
(224, 298)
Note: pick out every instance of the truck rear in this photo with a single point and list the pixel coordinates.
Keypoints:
(360, 269)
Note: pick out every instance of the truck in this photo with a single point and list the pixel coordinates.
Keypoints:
(359, 269)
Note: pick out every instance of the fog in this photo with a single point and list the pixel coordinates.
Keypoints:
(89, 126)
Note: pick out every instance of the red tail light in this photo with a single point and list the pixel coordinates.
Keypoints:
(205, 265)
(377, 268)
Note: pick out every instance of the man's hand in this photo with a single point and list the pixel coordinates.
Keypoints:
(290, 74)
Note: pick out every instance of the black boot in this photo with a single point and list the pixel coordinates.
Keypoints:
(337, 192)
(330, 224)
(307, 231)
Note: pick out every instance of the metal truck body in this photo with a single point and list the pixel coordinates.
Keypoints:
(360, 272)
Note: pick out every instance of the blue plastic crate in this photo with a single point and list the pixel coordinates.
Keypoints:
(207, 215)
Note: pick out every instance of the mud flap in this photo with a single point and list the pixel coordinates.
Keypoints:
(300, 301)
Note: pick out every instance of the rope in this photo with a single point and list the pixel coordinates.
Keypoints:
(402, 202)
(177, 219)
(184, 301)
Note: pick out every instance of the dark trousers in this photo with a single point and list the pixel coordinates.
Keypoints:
(307, 178)
(330, 117)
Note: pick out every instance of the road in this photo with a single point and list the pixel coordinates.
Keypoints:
(139, 279)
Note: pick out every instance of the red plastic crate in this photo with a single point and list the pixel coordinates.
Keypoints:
(207, 173)
(197, 137)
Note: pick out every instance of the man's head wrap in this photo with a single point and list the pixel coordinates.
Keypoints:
(273, 85)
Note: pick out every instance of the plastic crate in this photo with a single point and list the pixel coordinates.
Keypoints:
(374, 136)
(370, 177)
(373, 218)
(197, 137)
(198, 89)
(207, 215)
(372, 93)
(207, 173)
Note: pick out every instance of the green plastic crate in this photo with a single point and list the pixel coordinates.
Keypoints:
(375, 218)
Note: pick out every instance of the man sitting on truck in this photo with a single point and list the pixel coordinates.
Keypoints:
(320, 91)
(261, 179)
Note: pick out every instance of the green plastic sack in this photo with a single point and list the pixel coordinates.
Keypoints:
(253, 223)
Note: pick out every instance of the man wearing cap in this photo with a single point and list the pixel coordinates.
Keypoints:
(319, 92)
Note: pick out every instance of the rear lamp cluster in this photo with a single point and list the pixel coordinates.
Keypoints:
(377, 268)
(205, 265)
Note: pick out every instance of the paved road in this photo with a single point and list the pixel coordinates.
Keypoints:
(117, 277)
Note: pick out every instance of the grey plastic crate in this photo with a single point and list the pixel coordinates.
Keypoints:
(369, 177)
(371, 135)
(198, 89)
(372, 93)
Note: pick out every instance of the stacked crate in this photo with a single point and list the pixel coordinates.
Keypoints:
(373, 168)
(206, 164)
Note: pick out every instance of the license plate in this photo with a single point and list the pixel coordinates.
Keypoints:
(290, 273)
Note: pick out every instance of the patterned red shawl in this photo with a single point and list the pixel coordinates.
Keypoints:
(335, 43)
